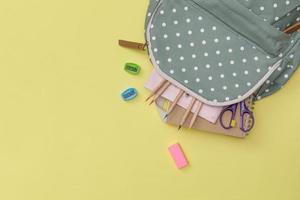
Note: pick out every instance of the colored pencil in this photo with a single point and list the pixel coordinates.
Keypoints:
(178, 97)
(196, 114)
(156, 89)
(160, 92)
(187, 112)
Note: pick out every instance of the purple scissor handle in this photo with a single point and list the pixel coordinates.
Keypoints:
(245, 115)
(232, 110)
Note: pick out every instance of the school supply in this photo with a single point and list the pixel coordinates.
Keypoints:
(245, 114)
(221, 54)
(187, 112)
(200, 121)
(178, 97)
(132, 68)
(210, 113)
(129, 94)
(166, 106)
(178, 156)
(160, 91)
(156, 88)
(196, 114)
(200, 124)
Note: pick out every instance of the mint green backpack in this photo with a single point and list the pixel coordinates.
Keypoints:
(223, 51)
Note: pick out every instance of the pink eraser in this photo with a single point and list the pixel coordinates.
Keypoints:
(178, 156)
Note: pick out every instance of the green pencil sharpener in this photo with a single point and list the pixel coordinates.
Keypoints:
(132, 68)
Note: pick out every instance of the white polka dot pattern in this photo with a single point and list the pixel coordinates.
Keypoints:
(198, 52)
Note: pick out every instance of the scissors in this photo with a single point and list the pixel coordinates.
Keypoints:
(246, 117)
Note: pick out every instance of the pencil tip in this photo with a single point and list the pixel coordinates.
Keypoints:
(166, 116)
(179, 127)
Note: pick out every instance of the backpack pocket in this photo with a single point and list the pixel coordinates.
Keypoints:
(246, 23)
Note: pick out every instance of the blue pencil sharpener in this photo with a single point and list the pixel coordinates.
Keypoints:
(129, 94)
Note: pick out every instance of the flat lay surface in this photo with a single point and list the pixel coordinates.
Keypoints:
(66, 133)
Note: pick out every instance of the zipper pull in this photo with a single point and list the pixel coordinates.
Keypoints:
(132, 45)
(252, 103)
(292, 29)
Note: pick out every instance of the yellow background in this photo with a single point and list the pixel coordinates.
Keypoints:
(65, 134)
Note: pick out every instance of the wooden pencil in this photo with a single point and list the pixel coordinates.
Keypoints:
(187, 112)
(178, 97)
(196, 114)
(160, 92)
(156, 89)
